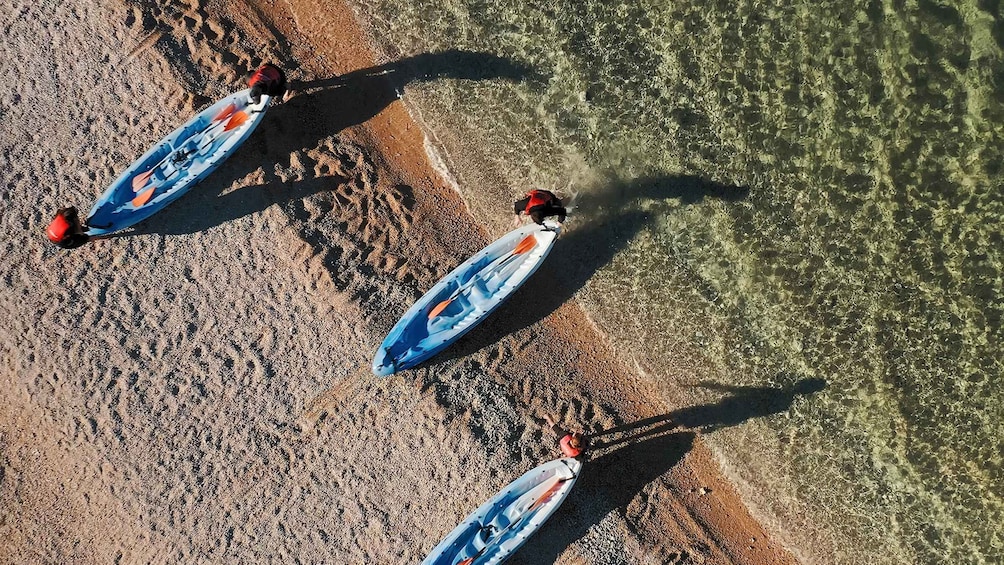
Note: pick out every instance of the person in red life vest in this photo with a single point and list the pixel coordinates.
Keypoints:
(268, 79)
(539, 204)
(572, 444)
(65, 230)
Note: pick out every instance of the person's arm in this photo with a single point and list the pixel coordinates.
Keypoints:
(558, 430)
(76, 240)
(519, 206)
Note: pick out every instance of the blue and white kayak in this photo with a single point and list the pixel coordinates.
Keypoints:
(465, 297)
(176, 163)
(494, 531)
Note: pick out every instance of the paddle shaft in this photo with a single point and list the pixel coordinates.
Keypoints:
(174, 150)
(179, 156)
(490, 267)
(487, 269)
(171, 154)
(536, 504)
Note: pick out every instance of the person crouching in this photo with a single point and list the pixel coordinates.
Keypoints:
(572, 444)
(539, 204)
(65, 230)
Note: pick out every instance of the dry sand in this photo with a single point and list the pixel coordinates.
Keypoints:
(197, 390)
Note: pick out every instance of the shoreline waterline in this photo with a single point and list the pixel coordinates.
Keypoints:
(864, 252)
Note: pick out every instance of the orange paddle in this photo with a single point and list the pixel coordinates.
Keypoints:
(143, 197)
(225, 113)
(236, 120)
(523, 246)
(139, 181)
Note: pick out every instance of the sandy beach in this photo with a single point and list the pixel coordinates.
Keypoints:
(198, 389)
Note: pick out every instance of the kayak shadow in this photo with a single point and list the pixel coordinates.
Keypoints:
(606, 484)
(199, 211)
(606, 221)
(316, 110)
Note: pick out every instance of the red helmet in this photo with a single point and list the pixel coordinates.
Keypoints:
(265, 73)
(269, 79)
(59, 228)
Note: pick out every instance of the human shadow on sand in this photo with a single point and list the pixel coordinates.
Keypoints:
(316, 110)
(743, 403)
(603, 223)
(648, 448)
(606, 484)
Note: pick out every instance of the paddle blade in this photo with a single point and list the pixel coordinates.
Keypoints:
(139, 181)
(547, 494)
(143, 197)
(439, 308)
(236, 121)
(525, 245)
(225, 113)
(467, 561)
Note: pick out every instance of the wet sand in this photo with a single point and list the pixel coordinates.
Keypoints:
(198, 389)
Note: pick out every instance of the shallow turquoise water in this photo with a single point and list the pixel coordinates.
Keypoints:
(858, 146)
